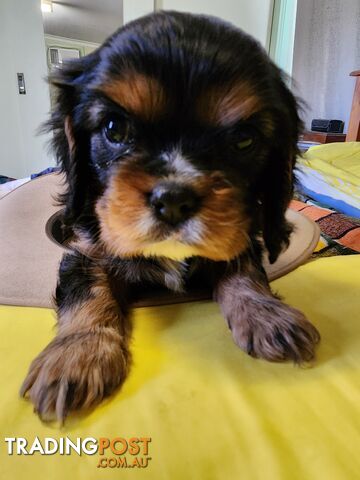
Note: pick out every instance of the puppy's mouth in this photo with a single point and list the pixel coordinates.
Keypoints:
(175, 218)
(176, 241)
(170, 224)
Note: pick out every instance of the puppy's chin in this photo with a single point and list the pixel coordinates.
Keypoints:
(169, 248)
(194, 238)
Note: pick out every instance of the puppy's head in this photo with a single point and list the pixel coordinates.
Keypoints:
(178, 138)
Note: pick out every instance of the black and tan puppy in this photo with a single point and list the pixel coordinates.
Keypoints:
(178, 139)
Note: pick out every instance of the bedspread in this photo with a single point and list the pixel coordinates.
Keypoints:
(212, 412)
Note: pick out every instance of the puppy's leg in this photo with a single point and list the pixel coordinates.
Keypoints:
(89, 358)
(261, 324)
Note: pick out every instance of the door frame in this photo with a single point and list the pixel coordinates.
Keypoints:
(282, 34)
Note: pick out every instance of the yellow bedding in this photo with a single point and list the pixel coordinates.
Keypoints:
(211, 411)
(338, 163)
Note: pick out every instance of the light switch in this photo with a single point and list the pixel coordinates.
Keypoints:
(21, 83)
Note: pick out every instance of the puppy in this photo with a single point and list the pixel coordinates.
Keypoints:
(178, 139)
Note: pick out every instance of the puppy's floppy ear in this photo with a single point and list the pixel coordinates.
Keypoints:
(278, 180)
(68, 139)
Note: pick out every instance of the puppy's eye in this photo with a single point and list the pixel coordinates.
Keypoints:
(117, 130)
(245, 143)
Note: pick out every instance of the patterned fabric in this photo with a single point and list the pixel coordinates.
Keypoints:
(45, 172)
(340, 235)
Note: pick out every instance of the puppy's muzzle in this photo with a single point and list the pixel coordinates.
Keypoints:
(173, 203)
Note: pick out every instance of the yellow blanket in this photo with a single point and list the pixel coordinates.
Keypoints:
(211, 411)
(339, 165)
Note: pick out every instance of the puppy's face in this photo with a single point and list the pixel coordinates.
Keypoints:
(181, 139)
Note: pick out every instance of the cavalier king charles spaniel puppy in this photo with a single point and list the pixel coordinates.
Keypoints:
(178, 139)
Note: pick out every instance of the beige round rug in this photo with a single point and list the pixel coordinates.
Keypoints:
(29, 258)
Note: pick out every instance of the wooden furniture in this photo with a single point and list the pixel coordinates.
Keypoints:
(353, 133)
(323, 137)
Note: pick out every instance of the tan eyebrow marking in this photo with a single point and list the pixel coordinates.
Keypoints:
(224, 105)
(139, 94)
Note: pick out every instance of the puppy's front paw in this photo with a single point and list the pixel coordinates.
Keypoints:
(274, 331)
(76, 371)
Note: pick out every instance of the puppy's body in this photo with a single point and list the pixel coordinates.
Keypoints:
(178, 139)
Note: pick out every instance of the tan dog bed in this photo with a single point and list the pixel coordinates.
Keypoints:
(29, 258)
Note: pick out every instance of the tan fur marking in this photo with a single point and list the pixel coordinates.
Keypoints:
(138, 94)
(224, 106)
(261, 324)
(69, 134)
(121, 209)
(86, 361)
(101, 310)
(224, 223)
(221, 231)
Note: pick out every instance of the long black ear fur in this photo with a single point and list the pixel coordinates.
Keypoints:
(68, 140)
(278, 179)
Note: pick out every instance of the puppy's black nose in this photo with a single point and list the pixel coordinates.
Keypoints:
(174, 203)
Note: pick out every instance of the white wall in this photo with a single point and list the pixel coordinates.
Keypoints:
(327, 49)
(253, 16)
(135, 9)
(88, 20)
(22, 49)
